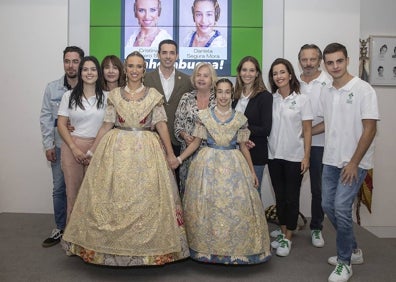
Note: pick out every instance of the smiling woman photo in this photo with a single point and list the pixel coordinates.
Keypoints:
(147, 13)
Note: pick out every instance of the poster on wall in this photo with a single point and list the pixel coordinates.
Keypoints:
(217, 31)
(200, 29)
(383, 60)
(146, 24)
(204, 34)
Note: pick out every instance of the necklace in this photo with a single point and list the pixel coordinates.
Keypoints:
(203, 38)
(141, 38)
(134, 92)
(223, 113)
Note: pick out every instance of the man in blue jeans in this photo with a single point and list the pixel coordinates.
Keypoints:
(350, 111)
(53, 93)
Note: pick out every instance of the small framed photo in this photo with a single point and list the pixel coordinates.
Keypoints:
(383, 60)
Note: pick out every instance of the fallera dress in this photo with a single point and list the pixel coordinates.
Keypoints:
(128, 211)
(224, 215)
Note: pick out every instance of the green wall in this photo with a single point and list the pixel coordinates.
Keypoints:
(246, 29)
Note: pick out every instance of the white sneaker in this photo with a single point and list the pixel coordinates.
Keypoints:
(284, 248)
(275, 233)
(356, 258)
(317, 238)
(275, 243)
(341, 273)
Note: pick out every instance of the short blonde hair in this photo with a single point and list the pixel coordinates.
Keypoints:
(212, 71)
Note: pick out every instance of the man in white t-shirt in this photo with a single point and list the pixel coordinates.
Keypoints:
(312, 79)
(350, 111)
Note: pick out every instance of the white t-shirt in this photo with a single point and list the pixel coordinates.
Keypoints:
(286, 141)
(312, 89)
(343, 111)
(86, 122)
(242, 103)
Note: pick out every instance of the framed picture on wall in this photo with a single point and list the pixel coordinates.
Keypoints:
(383, 60)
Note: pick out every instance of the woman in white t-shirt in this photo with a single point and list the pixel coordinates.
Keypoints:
(289, 146)
(85, 107)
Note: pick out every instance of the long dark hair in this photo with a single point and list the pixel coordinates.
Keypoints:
(293, 83)
(78, 92)
(258, 84)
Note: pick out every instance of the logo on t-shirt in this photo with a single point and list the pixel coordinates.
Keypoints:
(350, 98)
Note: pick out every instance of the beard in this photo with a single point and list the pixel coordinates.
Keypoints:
(71, 76)
(309, 69)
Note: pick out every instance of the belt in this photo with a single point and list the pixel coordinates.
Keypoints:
(133, 128)
(214, 146)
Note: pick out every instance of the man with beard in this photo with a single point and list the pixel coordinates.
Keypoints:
(171, 83)
(312, 80)
(53, 93)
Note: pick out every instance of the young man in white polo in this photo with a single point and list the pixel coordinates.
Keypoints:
(350, 111)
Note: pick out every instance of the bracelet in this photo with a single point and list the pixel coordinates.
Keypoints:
(179, 159)
(89, 153)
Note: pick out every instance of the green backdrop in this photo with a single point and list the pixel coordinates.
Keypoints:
(246, 29)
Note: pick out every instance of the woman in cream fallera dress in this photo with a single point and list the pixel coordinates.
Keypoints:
(128, 211)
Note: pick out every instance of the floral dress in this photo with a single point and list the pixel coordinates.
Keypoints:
(128, 211)
(224, 215)
(185, 118)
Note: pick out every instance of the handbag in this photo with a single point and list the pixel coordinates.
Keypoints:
(270, 214)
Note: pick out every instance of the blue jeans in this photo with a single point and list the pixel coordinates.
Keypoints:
(59, 192)
(259, 170)
(337, 201)
(315, 176)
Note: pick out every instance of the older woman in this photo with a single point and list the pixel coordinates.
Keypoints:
(203, 79)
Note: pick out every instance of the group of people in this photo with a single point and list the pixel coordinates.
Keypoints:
(161, 166)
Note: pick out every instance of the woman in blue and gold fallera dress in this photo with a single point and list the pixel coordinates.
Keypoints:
(224, 215)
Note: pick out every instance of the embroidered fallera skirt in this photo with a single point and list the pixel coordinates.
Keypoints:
(128, 211)
(224, 215)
